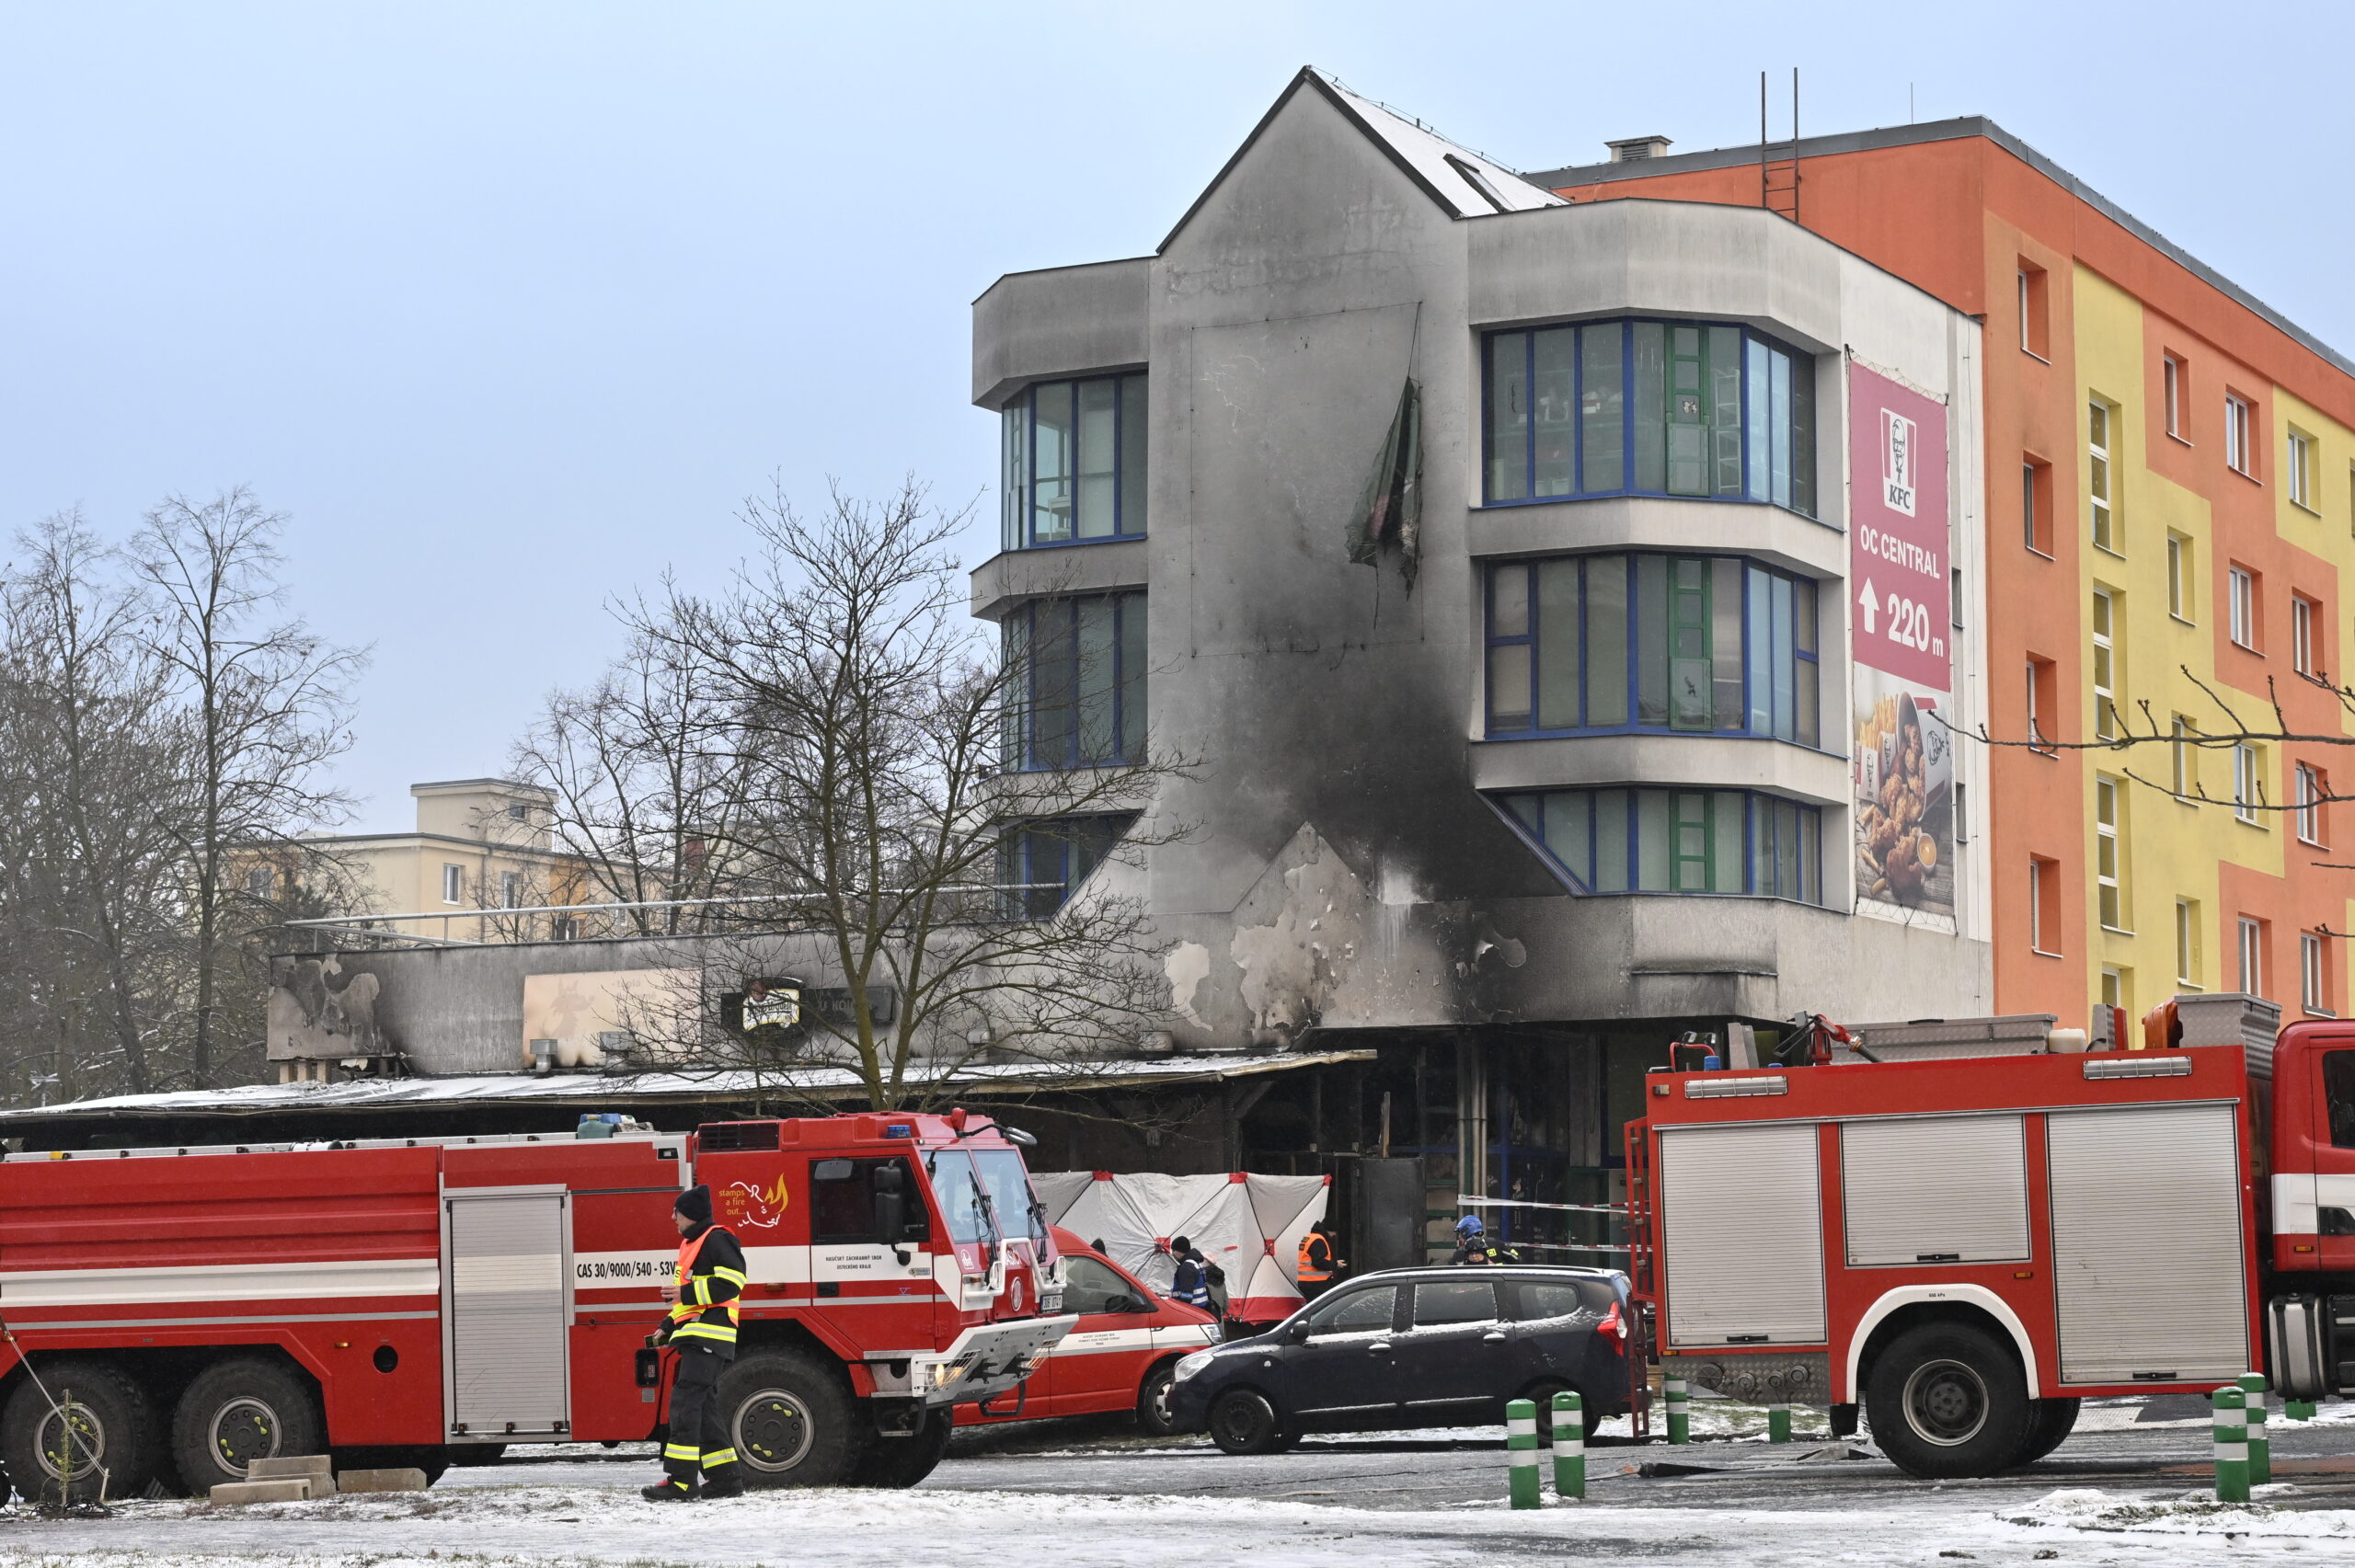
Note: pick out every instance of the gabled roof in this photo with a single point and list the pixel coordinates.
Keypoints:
(1463, 183)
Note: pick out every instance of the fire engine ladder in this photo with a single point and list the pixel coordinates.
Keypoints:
(1778, 163)
(1643, 1278)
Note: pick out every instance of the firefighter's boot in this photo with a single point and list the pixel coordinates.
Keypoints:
(671, 1492)
(726, 1483)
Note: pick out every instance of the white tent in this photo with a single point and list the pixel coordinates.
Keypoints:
(1250, 1226)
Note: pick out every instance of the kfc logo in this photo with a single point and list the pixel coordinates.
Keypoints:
(1898, 434)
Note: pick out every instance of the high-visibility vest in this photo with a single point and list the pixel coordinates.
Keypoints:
(1311, 1271)
(698, 1316)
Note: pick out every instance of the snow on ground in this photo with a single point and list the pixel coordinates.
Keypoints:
(591, 1527)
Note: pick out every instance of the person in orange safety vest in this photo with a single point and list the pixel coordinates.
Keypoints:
(701, 1326)
(1317, 1263)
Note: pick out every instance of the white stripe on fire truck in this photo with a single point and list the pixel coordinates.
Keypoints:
(219, 1282)
(76, 1324)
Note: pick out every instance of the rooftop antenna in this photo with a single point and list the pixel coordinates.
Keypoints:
(1778, 178)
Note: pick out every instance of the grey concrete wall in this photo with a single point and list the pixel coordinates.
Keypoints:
(1340, 868)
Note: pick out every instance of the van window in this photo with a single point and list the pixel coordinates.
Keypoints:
(1359, 1312)
(1090, 1286)
(2338, 1096)
(1455, 1302)
(1539, 1302)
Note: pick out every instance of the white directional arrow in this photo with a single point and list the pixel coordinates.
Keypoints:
(1871, 604)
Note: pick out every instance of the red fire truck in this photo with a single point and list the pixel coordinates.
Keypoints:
(1969, 1240)
(401, 1302)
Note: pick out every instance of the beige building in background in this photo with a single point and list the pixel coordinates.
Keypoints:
(480, 846)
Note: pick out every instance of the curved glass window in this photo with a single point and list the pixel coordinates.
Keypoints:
(1727, 841)
(1075, 683)
(1072, 465)
(1647, 408)
(1683, 644)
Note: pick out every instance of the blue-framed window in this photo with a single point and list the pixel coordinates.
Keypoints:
(1647, 408)
(1076, 668)
(1073, 470)
(1726, 841)
(1039, 863)
(1682, 643)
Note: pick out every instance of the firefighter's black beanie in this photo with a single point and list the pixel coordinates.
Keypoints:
(696, 1204)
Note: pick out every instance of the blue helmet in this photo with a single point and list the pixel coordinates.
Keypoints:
(1469, 1226)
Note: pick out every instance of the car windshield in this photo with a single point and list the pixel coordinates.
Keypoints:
(1019, 1213)
(964, 1202)
(1092, 1287)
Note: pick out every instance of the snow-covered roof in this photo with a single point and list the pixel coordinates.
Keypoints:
(1467, 184)
(611, 1090)
(1473, 185)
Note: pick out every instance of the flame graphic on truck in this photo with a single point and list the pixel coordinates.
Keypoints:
(748, 1205)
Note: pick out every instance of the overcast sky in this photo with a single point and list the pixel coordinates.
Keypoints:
(508, 304)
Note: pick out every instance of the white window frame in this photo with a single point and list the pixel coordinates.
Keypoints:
(2038, 740)
(2171, 392)
(2240, 600)
(2309, 813)
(2236, 432)
(2100, 419)
(2028, 506)
(2252, 956)
(2105, 664)
(2186, 759)
(511, 890)
(2178, 577)
(2313, 990)
(2301, 634)
(2186, 945)
(2113, 986)
(2246, 766)
(2036, 907)
(2300, 455)
(2109, 887)
(454, 884)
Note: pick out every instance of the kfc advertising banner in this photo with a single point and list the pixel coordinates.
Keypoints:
(1900, 616)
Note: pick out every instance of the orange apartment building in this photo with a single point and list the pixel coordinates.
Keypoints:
(2179, 525)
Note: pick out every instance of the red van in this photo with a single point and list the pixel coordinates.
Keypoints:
(1117, 1357)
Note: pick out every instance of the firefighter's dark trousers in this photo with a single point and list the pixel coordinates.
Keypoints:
(698, 1438)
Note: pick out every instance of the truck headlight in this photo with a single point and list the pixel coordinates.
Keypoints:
(946, 1372)
(1189, 1365)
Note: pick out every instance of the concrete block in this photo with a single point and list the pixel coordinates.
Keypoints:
(381, 1481)
(317, 1468)
(294, 1490)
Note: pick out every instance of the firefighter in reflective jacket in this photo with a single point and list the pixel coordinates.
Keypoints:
(1317, 1263)
(701, 1327)
(1190, 1282)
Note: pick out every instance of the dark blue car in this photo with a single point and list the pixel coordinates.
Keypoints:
(1415, 1348)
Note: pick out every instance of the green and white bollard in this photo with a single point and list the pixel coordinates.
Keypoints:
(1779, 1423)
(1569, 1445)
(1679, 1421)
(1520, 1453)
(2231, 1429)
(2261, 1449)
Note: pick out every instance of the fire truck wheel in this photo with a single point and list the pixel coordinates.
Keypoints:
(234, 1413)
(793, 1420)
(1946, 1400)
(2049, 1428)
(101, 1422)
(898, 1463)
(1152, 1400)
(1243, 1422)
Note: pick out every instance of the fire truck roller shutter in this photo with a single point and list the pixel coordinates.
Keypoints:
(2147, 1243)
(509, 1305)
(1743, 1212)
(1935, 1189)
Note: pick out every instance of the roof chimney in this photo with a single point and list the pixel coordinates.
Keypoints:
(1634, 149)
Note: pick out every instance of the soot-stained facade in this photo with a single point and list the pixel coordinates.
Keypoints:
(1636, 711)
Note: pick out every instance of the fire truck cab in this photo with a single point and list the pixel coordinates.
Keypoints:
(1966, 1227)
(399, 1301)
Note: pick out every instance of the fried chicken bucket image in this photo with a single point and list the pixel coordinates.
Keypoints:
(1905, 798)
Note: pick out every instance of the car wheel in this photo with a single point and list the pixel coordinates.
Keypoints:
(101, 1431)
(236, 1412)
(792, 1420)
(898, 1463)
(1946, 1400)
(2049, 1428)
(1153, 1401)
(1541, 1394)
(1243, 1422)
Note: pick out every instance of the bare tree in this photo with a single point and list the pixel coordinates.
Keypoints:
(866, 784)
(266, 699)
